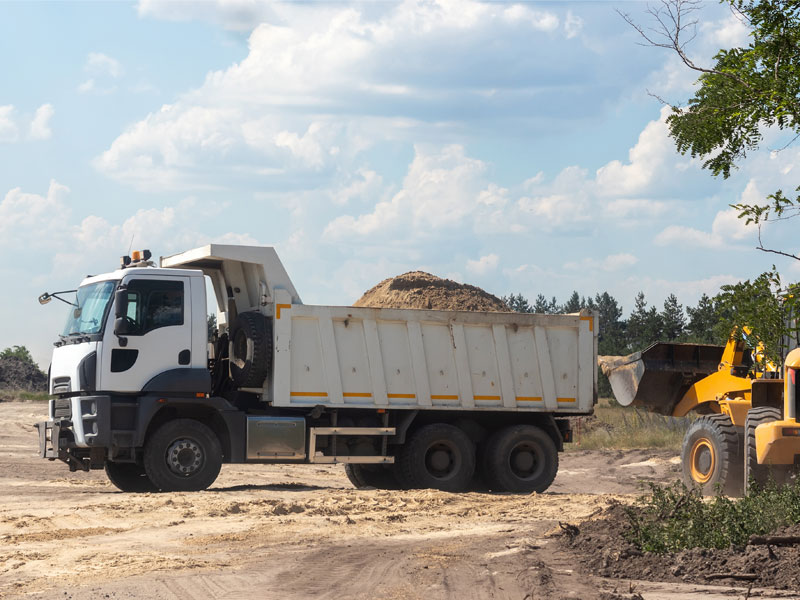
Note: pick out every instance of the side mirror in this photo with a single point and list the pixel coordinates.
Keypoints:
(121, 326)
(121, 304)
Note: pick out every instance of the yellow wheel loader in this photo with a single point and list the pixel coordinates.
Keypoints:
(747, 429)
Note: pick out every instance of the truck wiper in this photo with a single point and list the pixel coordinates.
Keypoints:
(46, 297)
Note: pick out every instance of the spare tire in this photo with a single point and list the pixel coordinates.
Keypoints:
(251, 349)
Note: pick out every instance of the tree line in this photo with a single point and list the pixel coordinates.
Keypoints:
(707, 322)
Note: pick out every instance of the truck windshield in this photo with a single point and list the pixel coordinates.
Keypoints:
(88, 314)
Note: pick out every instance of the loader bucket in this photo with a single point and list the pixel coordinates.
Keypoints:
(657, 378)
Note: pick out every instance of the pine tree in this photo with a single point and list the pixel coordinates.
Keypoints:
(644, 325)
(673, 319)
(518, 303)
(702, 320)
(572, 305)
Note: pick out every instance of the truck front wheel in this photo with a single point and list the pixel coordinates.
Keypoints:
(182, 456)
(129, 477)
(438, 456)
(521, 458)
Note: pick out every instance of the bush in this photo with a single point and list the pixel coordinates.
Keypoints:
(18, 352)
(673, 517)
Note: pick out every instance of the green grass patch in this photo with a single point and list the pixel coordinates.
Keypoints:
(672, 517)
(625, 428)
(23, 396)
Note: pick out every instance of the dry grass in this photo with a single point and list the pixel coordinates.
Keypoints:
(22, 396)
(624, 428)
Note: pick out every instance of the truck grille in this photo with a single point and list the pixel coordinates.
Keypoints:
(62, 408)
(62, 385)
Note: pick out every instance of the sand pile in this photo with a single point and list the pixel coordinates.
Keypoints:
(418, 289)
(16, 374)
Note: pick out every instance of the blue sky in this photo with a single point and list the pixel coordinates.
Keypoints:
(512, 146)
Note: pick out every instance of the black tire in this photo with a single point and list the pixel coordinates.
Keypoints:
(755, 473)
(520, 458)
(129, 477)
(182, 456)
(372, 476)
(712, 456)
(251, 349)
(438, 456)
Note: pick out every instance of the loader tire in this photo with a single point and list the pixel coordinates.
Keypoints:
(183, 455)
(438, 456)
(251, 349)
(712, 456)
(372, 476)
(756, 474)
(521, 459)
(129, 477)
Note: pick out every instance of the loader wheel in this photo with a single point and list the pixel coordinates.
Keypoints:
(251, 349)
(372, 476)
(521, 458)
(129, 477)
(757, 474)
(182, 456)
(439, 456)
(711, 456)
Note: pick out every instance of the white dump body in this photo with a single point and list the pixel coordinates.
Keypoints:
(428, 359)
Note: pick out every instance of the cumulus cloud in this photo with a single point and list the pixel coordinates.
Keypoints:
(339, 70)
(612, 262)
(484, 265)
(40, 126)
(103, 70)
(24, 214)
(8, 128)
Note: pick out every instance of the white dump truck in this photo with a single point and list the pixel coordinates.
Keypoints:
(404, 398)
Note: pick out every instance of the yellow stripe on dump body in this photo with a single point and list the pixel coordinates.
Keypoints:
(486, 397)
(529, 398)
(357, 395)
(401, 395)
(591, 322)
(566, 400)
(313, 394)
(444, 397)
(278, 308)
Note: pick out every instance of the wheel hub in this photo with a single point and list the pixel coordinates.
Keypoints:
(184, 457)
(703, 461)
(442, 461)
(523, 461)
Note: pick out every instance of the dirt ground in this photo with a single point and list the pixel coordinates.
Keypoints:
(302, 531)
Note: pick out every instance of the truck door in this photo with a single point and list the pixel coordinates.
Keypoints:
(159, 338)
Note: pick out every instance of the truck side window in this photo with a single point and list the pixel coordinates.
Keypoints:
(153, 304)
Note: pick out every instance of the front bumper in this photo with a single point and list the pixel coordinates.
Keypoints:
(78, 432)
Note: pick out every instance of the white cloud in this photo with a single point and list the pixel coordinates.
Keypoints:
(484, 265)
(645, 161)
(102, 64)
(612, 262)
(337, 67)
(441, 190)
(8, 128)
(726, 229)
(24, 215)
(40, 126)
(572, 25)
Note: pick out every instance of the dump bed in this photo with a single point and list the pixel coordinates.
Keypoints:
(428, 359)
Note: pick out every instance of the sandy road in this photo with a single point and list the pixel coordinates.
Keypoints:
(289, 532)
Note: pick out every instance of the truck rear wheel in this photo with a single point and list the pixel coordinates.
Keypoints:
(711, 456)
(372, 476)
(251, 349)
(438, 456)
(182, 456)
(129, 477)
(521, 458)
(755, 473)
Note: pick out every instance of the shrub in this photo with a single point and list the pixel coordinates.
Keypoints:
(673, 517)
